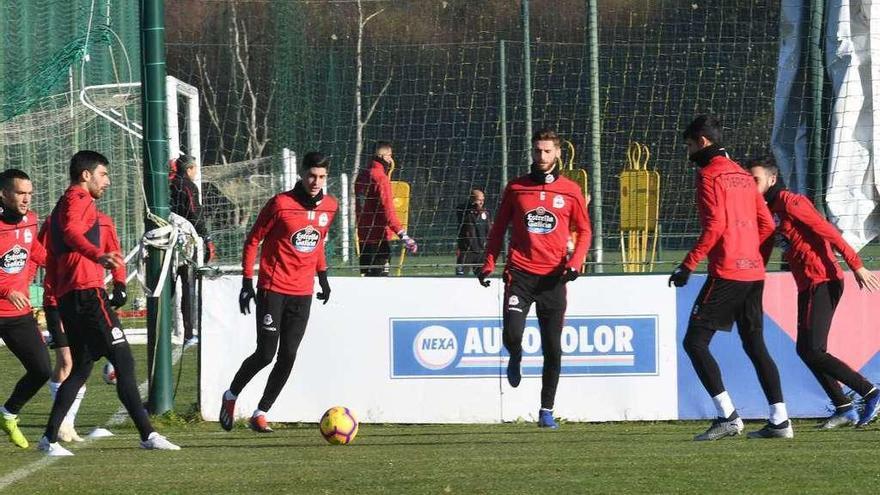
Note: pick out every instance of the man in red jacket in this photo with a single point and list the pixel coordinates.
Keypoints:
(808, 244)
(735, 222)
(293, 229)
(377, 222)
(78, 258)
(542, 209)
(63, 360)
(20, 254)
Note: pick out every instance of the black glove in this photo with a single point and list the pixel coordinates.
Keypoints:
(119, 295)
(679, 276)
(569, 274)
(245, 296)
(324, 295)
(53, 319)
(482, 276)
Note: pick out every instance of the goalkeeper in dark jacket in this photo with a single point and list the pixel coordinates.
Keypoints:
(808, 243)
(184, 198)
(542, 210)
(293, 228)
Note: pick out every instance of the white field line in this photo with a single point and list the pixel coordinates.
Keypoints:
(117, 419)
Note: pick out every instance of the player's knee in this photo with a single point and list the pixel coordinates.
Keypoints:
(42, 372)
(694, 345)
(809, 355)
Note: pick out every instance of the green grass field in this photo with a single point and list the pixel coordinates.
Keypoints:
(414, 459)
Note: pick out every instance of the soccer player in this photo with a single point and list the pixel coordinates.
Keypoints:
(93, 330)
(735, 221)
(20, 253)
(542, 209)
(63, 361)
(377, 222)
(474, 222)
(808, 243)
(184, 195)
(293, 228)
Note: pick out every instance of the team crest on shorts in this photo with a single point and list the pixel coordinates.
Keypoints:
(540, 221)
(305, 240)
(267, 319)
(14, 260)
(118, 335)
(513, 301)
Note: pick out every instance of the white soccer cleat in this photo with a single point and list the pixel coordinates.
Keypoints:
(157, 442)
(721, 428)
(53, 449)
(67, 433)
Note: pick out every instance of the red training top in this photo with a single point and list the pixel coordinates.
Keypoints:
(293, 238)
(20, 255)
(109, 242)
(735, 222)
(542, 217)
(809, 241)
(75, 243)
(374, 207)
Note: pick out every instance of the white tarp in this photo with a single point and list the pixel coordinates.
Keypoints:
(790, 138)
(852, 43)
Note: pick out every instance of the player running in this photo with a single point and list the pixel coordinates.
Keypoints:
(808, 243)
(63, 361)
(93, 330)
(293, 228)
(542, 209)
(735, 221)
(20, 254)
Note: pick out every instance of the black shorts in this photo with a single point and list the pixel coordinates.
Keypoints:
(90, 323)
(58, 337)
(722, 302)
(521, 289)
(281, 314)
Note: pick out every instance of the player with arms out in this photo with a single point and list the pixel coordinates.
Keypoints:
(735, 221)
(542, 209)
(293, 228)
(20, 254)
(808, 244)
(93, 330)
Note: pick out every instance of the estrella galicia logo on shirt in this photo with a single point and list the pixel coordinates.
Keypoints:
(305, 240)
(540, 221)
(473, 347)
(14, 260)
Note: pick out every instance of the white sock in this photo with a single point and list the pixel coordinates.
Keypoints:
(53, 389)
(228, 395)
(74, 408)
(6, 413)
(778, 413)
(259, 413)
(723, 405)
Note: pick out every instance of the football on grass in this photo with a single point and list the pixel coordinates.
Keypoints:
(109, 374)
(339, 426)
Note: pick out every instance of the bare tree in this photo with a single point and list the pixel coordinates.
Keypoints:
(361, 120)
(251, 108)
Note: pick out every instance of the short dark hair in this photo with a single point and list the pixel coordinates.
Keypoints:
(315, 159)
(185, 162)
(85, 160)
(706, 126)
(546, 134)
(768, 163)
(382, 144)
(8, 176)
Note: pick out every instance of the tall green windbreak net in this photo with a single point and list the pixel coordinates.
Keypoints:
(277, 75)
(50, 51)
